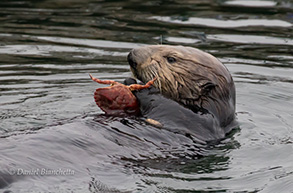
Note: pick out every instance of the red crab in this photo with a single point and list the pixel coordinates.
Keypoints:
(118, 98)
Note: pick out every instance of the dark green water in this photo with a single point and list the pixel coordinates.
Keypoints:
(53, 137)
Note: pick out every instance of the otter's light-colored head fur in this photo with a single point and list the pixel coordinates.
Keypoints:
(185, 74)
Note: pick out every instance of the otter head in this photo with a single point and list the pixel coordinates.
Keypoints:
(187, 75)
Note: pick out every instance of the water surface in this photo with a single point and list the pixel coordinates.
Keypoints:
(55, 139)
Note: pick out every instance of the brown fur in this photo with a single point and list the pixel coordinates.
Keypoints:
(196, 79)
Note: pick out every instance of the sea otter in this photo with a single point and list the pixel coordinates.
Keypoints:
(194, 93)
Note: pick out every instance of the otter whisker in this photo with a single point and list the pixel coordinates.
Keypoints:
(154, 73)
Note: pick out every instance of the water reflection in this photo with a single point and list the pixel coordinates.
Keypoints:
(216, 23)
(252, 3)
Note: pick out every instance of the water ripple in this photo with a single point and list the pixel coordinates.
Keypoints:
(48, 117)
(216, 23)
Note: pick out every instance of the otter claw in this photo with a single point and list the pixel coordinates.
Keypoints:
(154, 123)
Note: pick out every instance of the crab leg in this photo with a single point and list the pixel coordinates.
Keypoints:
(111, 82)
(140, 87)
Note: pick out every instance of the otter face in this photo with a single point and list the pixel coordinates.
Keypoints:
(184, 74)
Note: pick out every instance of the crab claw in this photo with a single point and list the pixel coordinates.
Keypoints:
(140, 87)
(111, 82)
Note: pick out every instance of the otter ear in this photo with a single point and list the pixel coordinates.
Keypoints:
(206, 87)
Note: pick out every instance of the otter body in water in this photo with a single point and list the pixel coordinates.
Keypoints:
(194, 92)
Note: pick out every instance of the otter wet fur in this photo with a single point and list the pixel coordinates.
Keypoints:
(194, 93)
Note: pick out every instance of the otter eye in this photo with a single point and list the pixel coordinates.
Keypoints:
(207, 87)
(171, 60)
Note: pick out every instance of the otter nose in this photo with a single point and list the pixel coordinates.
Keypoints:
(131, 60)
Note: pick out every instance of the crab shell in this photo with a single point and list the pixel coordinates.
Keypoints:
(116, 99)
